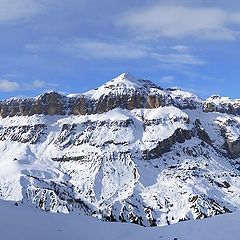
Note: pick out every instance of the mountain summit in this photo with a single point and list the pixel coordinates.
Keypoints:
(127, 151)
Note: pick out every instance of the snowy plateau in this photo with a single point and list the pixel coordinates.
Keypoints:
(24, 223)
(128, 151)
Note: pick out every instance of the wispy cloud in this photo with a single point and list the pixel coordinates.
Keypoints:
(100, 49)
(167, 79)
(95, 49)
(39, 84)
(181, 48)
(16, 10)
(176, 58)
(180, 22)
(14, 86)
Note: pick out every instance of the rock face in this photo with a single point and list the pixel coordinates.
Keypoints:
(222, 104)
(50, 103)
(128, 151)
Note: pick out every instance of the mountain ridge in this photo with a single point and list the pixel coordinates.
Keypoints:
(124, 91)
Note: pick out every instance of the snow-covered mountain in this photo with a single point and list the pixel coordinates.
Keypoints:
(128, 151)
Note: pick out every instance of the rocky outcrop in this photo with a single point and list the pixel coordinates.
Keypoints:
(55, 104)
(233, 148)
(51, 103)
(222, 105)
(201, 133)
(23, 134)
(180, 136)
(156, 101)
(126, 101)
(229, 129)
(80, 106)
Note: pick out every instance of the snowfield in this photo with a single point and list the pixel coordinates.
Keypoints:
(22, 223)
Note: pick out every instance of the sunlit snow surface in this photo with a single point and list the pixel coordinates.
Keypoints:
(21, 223)
(107, 181)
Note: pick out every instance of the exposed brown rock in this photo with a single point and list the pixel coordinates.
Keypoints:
(49, 104)
(156, 101)
(233, 148)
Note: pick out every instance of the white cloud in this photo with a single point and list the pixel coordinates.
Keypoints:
(17, 10)
(235, 18)
(167, 79)
(122, 50)
(95, 49)
(186, 59)
(8, 86)
(181, 48)
(13, 86)
(179, 22)
(39, 84)
(101, 49)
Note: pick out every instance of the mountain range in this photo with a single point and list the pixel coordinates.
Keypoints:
(128, 151)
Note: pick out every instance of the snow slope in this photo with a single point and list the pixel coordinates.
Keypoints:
(18, 222)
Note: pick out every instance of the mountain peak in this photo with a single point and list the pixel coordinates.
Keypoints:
(123, 84)
(126, 76)
(125, 79)
(130, 81)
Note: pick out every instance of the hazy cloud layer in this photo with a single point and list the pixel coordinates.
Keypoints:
(93, 49)
(17, 10)
(181, 48)
(176, 58)
(181, 22)
(102, 49)
(167, 79)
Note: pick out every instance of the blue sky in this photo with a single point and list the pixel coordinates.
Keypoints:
(75, 45)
